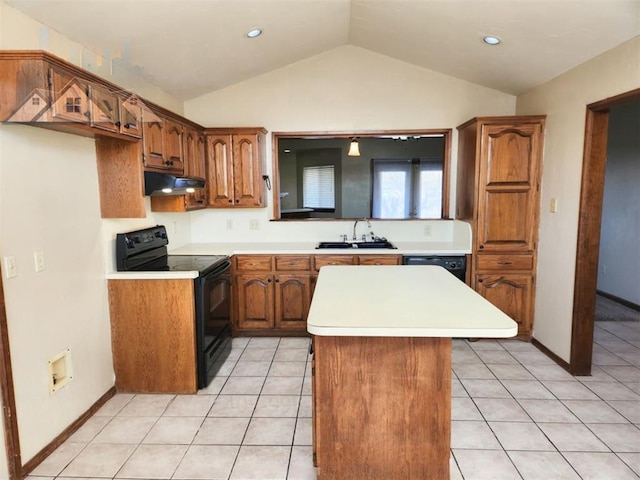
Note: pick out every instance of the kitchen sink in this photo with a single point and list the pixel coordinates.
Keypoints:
(377, 244)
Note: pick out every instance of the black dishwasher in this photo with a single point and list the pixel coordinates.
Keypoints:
(456, 265)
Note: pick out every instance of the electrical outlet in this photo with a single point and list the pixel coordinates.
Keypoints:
(254, 224)
(10, 267)
(603, 269)
(554, 205)
(427, 230)
(229, 224)
(38, 258)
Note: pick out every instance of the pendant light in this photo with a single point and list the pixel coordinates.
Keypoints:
(354, 148)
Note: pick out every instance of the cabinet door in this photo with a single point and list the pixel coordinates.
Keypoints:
(131, 116)
(219, 171)
(511, 293)
(254, 301)
(292, 300)
(247, 171)
(173, 147)
(508, 187)
(70, 97)
(153, 141)
(194, 166)
(105, 109)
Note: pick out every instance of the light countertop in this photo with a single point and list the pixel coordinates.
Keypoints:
(238, 248)
(289, 248)
(164, 275)
(401, 301)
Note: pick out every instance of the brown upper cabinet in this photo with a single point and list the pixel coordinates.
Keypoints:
(235, 167)
(498, 190)
(162, 139)
(69, 97)
(40, 89)
(194, 166)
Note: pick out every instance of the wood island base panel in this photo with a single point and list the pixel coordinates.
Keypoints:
(382, 407)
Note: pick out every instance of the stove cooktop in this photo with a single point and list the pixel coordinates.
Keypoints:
(184, 263)
(145, 250)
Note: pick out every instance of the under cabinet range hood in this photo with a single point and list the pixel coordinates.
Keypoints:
(166, 184)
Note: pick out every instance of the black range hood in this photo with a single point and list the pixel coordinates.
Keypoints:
(165, 184)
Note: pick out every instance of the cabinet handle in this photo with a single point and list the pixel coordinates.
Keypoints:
(481, 247)
(269, 280)
(128, 125)
(504, 262)
(277, 280)
(480, 280)
(237, 200)
(118, 124)
(230, 201)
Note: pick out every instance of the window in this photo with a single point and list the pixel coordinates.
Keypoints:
(318, 187)
(404, 188)
(353, 176)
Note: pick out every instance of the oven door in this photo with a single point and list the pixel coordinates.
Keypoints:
(213, 321)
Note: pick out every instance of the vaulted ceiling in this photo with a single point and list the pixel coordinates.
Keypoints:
(191, 47)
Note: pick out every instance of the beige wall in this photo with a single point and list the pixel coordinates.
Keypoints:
(345, 89)
(20, 32)
(48, 185)
(49, 192)
(564, 101)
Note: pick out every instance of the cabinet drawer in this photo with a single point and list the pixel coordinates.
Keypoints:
(504, 262)
(253, 263)
(293, 262)
(379, 259)
(322, 260)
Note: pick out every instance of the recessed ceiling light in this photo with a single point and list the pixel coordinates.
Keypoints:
(490, 40)
(256, 32)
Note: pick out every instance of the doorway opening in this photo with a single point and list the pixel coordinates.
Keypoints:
(589, 226)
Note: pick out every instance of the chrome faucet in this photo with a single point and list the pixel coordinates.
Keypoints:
(355, 224)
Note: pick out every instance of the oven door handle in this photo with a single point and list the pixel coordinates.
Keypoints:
(223, 267)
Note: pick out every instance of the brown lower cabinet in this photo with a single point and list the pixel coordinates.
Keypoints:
(273, 292)
(513, 294)
(381, 407)
(153, 335)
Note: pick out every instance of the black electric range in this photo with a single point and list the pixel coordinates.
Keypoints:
(146, 251)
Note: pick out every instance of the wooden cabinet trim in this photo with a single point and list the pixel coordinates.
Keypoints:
(252, 263)
(504, 262)
(379, 259)
(323, 260)
(292, 262)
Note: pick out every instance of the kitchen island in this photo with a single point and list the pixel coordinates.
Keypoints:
(382, 368)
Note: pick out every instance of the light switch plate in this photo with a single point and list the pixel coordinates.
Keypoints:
(10, 267)
(38, 258)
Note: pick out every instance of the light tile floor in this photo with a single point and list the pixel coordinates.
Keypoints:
(515, 415)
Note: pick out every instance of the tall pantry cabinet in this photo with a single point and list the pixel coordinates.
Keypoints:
(498, 192)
